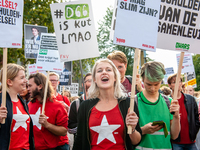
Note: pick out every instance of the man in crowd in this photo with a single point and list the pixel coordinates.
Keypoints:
(54, 79)
(153, 107)
(72, 123)
(47, 127)
(120, 61)
(189, 117)
(36, 36)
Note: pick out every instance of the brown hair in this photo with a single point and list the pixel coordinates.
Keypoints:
(118, 55)
(171, 77)
(88, 74)
(12, 71)
(40, 79)
(54, 74)
(166, 90)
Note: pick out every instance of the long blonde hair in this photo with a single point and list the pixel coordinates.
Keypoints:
(93, 91)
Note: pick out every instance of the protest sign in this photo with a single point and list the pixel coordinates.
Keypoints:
(75, 30)
(33, 69)
(168, 71)
(179, 25)
(73, 88)
(191, 79)
(136, 24)
(48, 57)
(11, 19)
(66, 74)
(32, 36)
(187, 65)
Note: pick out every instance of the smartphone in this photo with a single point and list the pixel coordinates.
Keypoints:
(159, 122)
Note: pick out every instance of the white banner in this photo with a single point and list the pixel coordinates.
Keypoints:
(48, 58)
(136, 24)
(73, 88)
(187, 65)
(32, 69)
(179, 26)
(11, 19)
(75, 30)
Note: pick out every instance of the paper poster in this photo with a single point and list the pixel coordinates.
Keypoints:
(187, 65)
(11, 23)
(66, 74)
(32, 36)
(137, 24)
(48, 58)
(75, 30)
(73, 88)
(179, 26)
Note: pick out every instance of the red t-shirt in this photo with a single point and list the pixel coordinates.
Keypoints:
(106, 129)
(60, 98)
(56, 114)
(127, 86)
(184, 133)
(20, 127)
(63, 139)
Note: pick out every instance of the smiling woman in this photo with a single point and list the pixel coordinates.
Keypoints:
(97, 128)
(16, 133)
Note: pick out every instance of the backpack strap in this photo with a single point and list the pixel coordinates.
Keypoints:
(166, 100)
(77, 104)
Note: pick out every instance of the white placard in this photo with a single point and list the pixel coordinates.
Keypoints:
(48, 58)
(136, 24)
(73, 88)
(75, 30)
(169, 70)
(179, 26)
(32, 69)
(11, 19)
(187, 65)
(191, 79)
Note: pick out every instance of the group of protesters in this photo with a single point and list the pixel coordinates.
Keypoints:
(99, 119)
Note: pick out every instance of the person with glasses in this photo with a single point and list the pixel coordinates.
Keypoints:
(73, 122)
(189, 117)
(54, 79)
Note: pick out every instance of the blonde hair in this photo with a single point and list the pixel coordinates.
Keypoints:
(119, 56)
(54, 74)
(93, 91)
(12, 71)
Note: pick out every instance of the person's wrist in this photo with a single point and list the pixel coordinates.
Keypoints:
(133, 131)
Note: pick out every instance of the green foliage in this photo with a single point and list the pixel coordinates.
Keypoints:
(196, 62)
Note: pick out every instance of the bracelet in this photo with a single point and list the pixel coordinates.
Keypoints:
(133, 131)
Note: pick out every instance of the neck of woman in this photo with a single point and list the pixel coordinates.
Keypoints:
(106, 95)
(13, 95)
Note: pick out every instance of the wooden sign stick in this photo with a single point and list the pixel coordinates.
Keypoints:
(135, 71)
(45, 93)
(63, 90)
(4, 83)
(178, 76)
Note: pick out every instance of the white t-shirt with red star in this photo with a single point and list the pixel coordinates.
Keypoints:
(56, 114)
(20, 127)
(106, 129)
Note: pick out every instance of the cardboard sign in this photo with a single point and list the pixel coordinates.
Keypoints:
(73, 88)
(136, 24)
(48, 58)
(187, 65)
(75, 30)
(32, 36)
(179, 26)
(11, 20)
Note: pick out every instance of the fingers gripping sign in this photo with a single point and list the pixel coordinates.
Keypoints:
(3, 113)
(174, 107)
(131, 120)
(43, 120)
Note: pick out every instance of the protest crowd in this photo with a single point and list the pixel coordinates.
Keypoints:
(99, 118)
(151, 109)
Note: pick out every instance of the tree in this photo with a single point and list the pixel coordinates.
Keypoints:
(196, 62)
(106, 45)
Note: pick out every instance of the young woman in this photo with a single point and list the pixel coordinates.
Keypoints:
(16, 133)
(103, 119)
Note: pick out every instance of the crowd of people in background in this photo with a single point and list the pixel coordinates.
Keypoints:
(100, 118)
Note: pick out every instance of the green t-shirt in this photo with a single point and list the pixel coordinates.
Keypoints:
(150, 112)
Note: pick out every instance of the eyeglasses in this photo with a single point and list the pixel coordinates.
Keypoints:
(54, 81)
(89, 80)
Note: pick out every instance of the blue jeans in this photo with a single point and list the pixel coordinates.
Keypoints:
(184, 146)
(63, 147)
